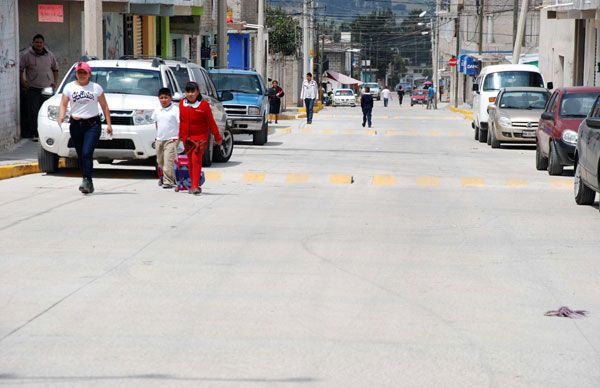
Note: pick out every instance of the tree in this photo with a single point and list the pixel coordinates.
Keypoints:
(285, 33)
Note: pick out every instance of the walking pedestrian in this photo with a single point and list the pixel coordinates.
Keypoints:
(196, 122)
(167, 137)
(38, 70)
(430, 97)
(386, 95)
(366, 103)
(309, 95)
(275, 93)
(85, 127)
(400, 94)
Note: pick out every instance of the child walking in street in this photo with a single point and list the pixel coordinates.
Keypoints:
(167, 137)
(196, 124)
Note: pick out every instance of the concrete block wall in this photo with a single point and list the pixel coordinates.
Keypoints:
(9, 73)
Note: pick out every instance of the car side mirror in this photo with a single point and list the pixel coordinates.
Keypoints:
(593, 122)
(226, 96)
(548, 116)
(177, 96)
(476, 88)
(550, 85)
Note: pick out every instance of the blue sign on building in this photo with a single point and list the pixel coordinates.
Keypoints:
(471, 66)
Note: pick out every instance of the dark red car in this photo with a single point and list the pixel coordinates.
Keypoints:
(418, 96)
(556, 136)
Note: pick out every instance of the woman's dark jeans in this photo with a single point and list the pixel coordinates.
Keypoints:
(85, 135)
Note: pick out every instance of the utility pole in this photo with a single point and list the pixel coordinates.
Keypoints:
(260, 36)
(305, 40)
(457, 29)
(435, 56)
(480, 37)
(515, 17)
(520, 32)
(222, 34)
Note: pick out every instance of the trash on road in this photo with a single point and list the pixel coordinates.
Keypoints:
(566, 312)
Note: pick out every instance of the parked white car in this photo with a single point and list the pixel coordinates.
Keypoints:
(344, 97)
(131, 89)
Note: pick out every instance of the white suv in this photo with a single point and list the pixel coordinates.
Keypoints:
(131, 89)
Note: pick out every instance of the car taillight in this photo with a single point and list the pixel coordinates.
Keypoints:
(492, 99)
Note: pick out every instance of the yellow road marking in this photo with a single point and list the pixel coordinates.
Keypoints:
(341, 179)
(471, 182)
(391, 133)
(254, 177)
(307, 130)
(384, 180)
(348, 132)
(428, 181)
(434, 133)
(455, 133)
(285, 131)
(517, 183)
(296, 178)
(213, 175)
(328, 131)
(562, 184)
(372, 132)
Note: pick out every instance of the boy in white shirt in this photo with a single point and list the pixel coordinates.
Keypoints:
(167, 135)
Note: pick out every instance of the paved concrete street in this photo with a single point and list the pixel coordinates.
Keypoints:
(404, 255)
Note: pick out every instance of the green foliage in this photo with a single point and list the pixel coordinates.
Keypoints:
(285, 33)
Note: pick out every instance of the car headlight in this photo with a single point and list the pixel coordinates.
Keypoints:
(53, 113)
(569, 137)
(143, 116)
(504, 121)
(254, 111)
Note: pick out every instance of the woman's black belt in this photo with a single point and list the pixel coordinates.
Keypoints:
(89, 121)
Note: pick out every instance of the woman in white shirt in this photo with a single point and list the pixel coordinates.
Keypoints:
(84, 97)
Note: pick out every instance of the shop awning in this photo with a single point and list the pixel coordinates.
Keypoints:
(341, 78)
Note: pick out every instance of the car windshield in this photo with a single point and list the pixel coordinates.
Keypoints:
(117, 80)
(238, 83)
(419, 92)
(344, 93)
(182, 76)
(577, 104)
(505, 79)
(372, 85)
(523, 100)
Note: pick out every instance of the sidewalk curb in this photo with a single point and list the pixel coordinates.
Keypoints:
(16, 170)
(465, 112)
(302, 114)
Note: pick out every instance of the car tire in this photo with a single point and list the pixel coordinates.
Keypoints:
(583, 194)
(493, 141)
(489, 137)
(207, 157)
(476, 130)
(541, 162)
(482, 135)
(47, 161)
(222, 153)
(262, 136)
(412, 103)
(554, 166)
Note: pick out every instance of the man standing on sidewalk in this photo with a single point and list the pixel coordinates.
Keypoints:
(386, 94)
(309, 95)
(430, 97)
(39, 70)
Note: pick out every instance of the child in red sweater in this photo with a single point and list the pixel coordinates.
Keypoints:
(195, 125)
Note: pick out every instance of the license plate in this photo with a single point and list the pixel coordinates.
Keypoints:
(528, 133)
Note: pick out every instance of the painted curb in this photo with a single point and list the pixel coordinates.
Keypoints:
(15, 170)
(465, 112)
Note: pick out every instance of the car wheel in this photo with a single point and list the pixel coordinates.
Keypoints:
(207, 157)
(493, 141)
(583, 194)
(412, 103)
(476, 130)
(261, 137)
(489, 137)
(482, 135)
(554, 166)
(222, 153)
(47, 161)
(541, 162)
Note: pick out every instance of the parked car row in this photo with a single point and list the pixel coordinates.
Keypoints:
(238, 100)
(564, 125)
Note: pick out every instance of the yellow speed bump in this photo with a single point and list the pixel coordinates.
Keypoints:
(384, 180)
(254, 177)
(295, 178)
(471, 182)
(213, 175)
(341, 179)
(428, 181)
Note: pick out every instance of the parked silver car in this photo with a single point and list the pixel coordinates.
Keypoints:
(514, 116)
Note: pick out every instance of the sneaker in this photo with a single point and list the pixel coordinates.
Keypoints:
(167, 186)
(160, 181)
(86, 187)
(363, 124)
(196, 191)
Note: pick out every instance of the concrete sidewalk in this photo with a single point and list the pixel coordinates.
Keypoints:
(19, 160)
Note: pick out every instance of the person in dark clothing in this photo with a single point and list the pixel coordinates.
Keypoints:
(400, 94)
(275, 93)
(366, 103)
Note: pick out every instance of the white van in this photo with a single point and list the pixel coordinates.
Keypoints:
(488, 84)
